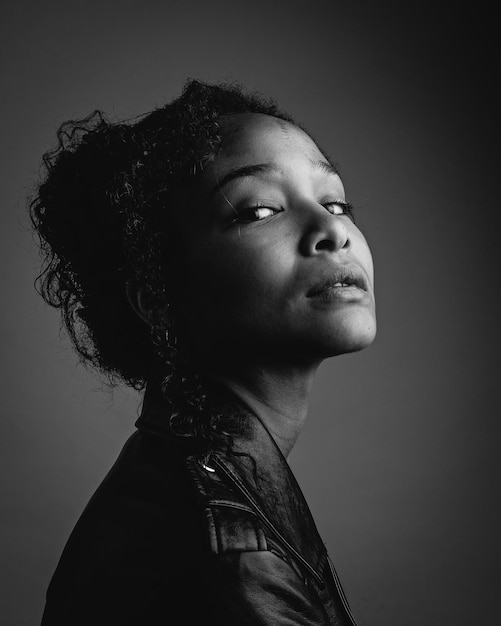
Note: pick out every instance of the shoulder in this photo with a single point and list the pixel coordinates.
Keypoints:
(147, 491)
(142, 526)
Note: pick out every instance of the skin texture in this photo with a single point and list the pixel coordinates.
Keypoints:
(248, 273)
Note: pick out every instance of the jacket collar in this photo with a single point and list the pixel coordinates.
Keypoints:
(256, 464)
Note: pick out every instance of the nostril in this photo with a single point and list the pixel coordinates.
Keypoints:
(325, 244)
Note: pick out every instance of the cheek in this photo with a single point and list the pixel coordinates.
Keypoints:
(248, 274)
(238, 279)
(219, 272)
(362, 252)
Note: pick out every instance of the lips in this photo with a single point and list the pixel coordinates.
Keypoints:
(341, 277)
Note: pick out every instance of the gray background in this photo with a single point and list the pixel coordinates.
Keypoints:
(399, 457)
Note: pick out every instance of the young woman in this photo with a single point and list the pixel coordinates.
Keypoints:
(207, 253)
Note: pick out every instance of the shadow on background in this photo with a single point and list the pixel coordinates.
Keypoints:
(399, 459)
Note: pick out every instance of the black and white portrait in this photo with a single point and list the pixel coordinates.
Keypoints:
(250, 320)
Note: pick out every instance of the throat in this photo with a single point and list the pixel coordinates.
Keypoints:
(279, 401)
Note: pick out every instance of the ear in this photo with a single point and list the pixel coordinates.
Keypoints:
(144, 305)
(135, 296)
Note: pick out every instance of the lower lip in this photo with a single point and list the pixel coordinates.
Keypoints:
(340, 294)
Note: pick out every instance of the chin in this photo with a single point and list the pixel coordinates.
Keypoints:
(355, 346)
(352, 336)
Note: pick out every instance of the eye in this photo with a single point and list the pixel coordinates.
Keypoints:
(262, 212)
(339, 207)
(255, 213)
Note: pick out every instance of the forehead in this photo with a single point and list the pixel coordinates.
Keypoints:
(250, 139)
(255, 137)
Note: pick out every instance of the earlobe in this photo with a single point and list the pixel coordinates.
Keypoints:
(138, 301)
(133, 293)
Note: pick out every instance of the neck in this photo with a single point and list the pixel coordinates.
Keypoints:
(277, 395)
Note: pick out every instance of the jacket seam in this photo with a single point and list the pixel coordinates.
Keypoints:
(243, 489)
(229, 504)
(211, 523)
(344, 600)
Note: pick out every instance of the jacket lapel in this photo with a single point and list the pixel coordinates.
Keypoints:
(255, 465)
(262, 470)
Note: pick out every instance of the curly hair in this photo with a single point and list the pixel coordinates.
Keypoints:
(102, 215)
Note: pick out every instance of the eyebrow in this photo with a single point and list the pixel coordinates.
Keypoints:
(265, 168)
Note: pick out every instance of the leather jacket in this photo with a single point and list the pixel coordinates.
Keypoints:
(169, 539)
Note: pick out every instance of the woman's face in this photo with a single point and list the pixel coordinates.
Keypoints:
(271, 264)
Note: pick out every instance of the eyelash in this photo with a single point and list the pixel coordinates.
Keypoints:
(347, 207)
(245, 215)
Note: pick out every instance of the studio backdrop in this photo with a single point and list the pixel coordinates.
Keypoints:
(399, 458)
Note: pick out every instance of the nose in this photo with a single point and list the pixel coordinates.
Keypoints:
(324, 233)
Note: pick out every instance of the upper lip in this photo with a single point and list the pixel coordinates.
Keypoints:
(348, 274)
